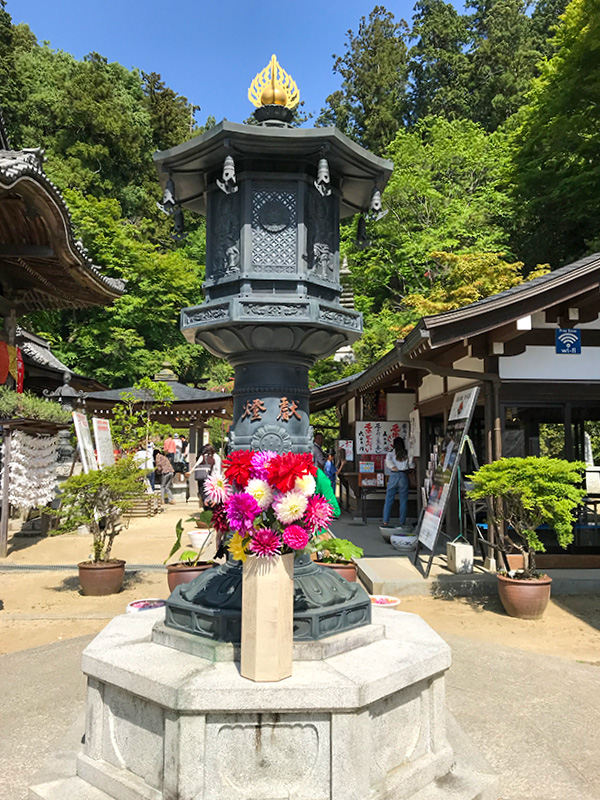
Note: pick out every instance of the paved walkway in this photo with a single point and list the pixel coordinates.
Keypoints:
(535, 718)
(384, 571)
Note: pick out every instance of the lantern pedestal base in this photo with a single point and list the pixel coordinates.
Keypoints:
(365, 722)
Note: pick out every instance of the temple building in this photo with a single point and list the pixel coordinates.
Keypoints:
(534, 353)
(42, 265)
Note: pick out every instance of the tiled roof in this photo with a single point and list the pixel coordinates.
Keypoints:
(16, 165)
(183, 393)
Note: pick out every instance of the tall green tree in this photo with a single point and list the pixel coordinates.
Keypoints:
(439, 64)
(372, 103)
(504, 59)
(556, 165)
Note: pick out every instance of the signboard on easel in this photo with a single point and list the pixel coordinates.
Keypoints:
(84, 440)
(104, 444)
(457, 427)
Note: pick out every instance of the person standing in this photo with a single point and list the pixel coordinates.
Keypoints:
(169, 447)
(329, 468)
(208, 463)
(164, 468)
(318, 454)
(398, 464)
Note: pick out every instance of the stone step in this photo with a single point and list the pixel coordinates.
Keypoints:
(461, 784)
(73, 788)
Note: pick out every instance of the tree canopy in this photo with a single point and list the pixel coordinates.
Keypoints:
(489, 113)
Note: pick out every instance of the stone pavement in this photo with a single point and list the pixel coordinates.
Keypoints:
(535, 718)
(383, 570)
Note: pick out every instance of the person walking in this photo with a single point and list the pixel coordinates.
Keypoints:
(398, 464)
(165, 470)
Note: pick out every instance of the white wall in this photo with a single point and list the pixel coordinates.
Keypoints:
(543, 363)
(351, 410)
(399, 406)
(432, 386)
(472, 364)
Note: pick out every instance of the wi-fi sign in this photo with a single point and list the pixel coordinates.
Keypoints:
(568, 341)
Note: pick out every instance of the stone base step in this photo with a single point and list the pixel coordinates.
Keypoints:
(461, 784)
(73, 788)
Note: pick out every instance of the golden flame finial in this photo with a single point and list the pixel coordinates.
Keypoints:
(273, 86)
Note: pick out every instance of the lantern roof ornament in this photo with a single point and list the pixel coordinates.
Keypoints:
(273, 86)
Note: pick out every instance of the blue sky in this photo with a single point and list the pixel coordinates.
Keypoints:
(208, 50)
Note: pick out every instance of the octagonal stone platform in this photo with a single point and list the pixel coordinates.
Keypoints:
(363, 717)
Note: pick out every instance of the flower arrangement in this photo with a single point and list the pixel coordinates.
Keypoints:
(266, 503)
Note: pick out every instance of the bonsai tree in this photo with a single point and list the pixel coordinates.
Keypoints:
(336, 551)
(98, 500)
(528, 493)
(189, 557)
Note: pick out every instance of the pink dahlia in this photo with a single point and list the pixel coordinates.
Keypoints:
(319, 513)
(265, 543)
(295, 537)
(217, 489)
(242, 509)
(259, 463)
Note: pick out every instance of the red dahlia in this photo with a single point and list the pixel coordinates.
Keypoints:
(219, 519)
(238, 466)
(283, 470)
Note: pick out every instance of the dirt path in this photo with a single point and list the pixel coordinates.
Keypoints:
(42, 607)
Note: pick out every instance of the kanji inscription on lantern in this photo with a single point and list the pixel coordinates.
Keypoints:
(254, 409)
(288, 409)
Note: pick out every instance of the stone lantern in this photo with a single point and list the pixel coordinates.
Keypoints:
(273, 196)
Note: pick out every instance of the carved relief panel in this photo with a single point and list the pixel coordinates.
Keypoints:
(322, 236)
(274, 227)
(225, 224)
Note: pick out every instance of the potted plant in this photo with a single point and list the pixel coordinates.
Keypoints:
(339, 554)
(190, 564)
(527, 493)
(97, 500)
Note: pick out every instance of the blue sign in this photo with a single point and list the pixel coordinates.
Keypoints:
(568, 341)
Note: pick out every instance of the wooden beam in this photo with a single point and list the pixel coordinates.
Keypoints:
(26, 251)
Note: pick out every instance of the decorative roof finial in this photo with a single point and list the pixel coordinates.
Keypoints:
(272, 86)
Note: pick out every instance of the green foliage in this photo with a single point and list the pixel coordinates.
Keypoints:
(372, 103)
(336, 551)
(504, 60)
(98, 500)
(13, 405)
(531, 492)
(447, 193)
(189, 557)
(556, 167)
(133, 421)
(439, 62)
(457, 280)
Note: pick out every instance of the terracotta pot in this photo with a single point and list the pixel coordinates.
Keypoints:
(103, 577)
(347, 569)
(525, 599)
(183, 573)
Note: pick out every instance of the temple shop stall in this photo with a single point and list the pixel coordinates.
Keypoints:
(533, 352)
